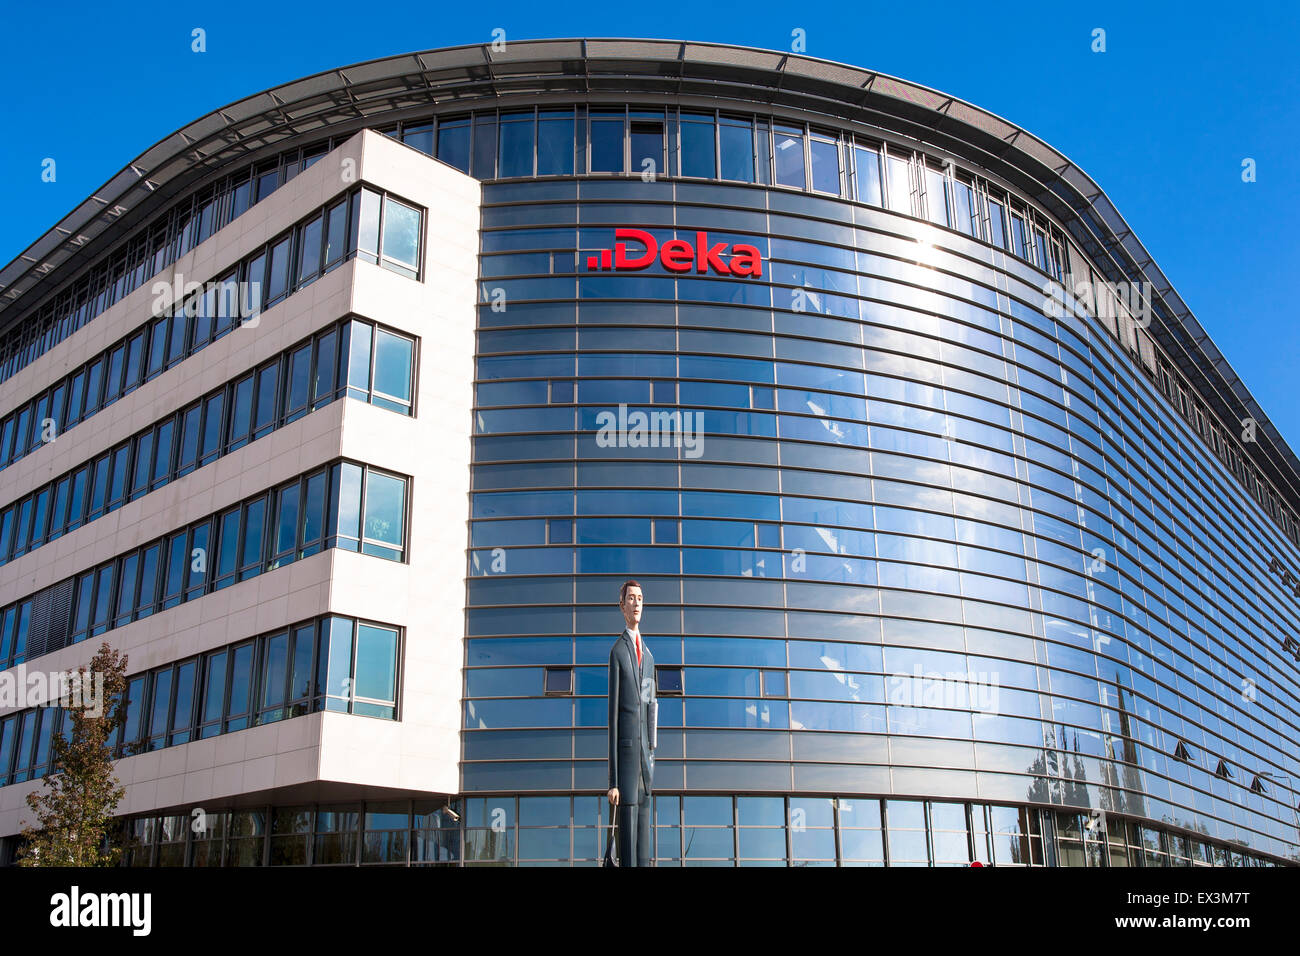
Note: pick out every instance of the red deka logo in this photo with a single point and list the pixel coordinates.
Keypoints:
(678, 255)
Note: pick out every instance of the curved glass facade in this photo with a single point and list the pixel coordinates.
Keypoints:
(931, 542)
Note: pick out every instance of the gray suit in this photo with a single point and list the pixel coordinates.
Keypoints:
(633, 713)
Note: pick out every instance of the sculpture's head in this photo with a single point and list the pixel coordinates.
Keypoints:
(630, 601)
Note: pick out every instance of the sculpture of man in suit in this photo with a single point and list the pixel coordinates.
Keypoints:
(633, 718)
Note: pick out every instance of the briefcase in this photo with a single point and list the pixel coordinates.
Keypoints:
(611, 846)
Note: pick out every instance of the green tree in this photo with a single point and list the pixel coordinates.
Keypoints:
(74, 812)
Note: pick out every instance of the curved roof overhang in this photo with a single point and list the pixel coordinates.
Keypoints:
(349, 98)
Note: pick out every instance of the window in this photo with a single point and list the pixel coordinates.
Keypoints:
(359, 339)
(278, 271)
(669, 680)
(84, 592)
(57, 399)
(555, 143)
(324, 380)
(936, 195)
(227, 305)
(356, 668)
(516, 145)
(607, 141)
(419, 137)
(268, 393)
(899, 183)
(867, 169)
(453, 142)
(646, 140)
(298, 384)
(176, 567)
(483, 162)
(393, 365)
(824, 154)
(241, 409)
(7, 440)
(401, 245)
(22, 535)
(143, 464)
(98, 487)
(148, 581)
(128, 579)
(94, 389)
(205, 306)
(198, 556)
(309, 250)
(967, 220)
(558, 681)
(191, 418)
(344, 518)
(119, 477)
(160, 711)
(301, 670)
(374, 684)
(313, 514)
(76, 397)
(275, 653)
(212, 705)
(227, 549)
(251, 555)
(241, 687)
(336, 233)
(58, 517)
(210, 444)
(157, 347)
(113, 385)
(284, 545)
(788, 151)
(183, 712)
(1019, 234)
(384, 520)
(334, 664)
(255, 290)
(40, 516)
(366, 216)
(163, 452)
(736, 149)
(130, 735)
(698, 136)
(176, 343)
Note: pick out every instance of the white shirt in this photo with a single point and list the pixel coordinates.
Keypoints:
(636, 642)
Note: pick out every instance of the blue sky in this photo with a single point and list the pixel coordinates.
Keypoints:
(1162, 120)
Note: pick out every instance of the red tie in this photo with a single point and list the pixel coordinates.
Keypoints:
(637, 639)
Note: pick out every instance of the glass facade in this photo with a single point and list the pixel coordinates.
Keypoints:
(931, 540)
(692, 830)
